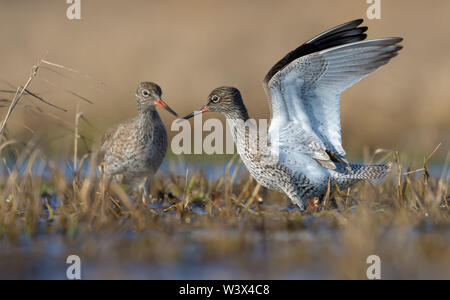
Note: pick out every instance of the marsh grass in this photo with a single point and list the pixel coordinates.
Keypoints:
(224, 228)
(197, 227)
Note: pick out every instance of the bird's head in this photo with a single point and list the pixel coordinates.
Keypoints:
(225, 100)
(148, 96)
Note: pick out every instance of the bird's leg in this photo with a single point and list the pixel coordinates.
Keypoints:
(296, 198)
(143, 192)
(105, 181)
(142, 195)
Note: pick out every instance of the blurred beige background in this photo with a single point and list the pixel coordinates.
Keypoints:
(190, 47)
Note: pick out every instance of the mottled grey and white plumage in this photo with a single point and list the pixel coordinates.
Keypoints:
(304, 150)
(133, 150)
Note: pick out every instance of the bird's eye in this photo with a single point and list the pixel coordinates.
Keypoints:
(215, 99)
(145, 93)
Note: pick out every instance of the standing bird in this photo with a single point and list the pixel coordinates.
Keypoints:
(303, 150)
(133, 150)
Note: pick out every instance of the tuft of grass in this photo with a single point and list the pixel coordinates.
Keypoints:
(229, 228)
(197, 221)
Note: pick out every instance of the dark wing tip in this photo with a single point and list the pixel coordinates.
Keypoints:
(343, 34)
(354, 23)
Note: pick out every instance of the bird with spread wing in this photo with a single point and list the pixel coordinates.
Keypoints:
(304, 89)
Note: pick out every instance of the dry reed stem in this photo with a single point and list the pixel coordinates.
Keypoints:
(17, 97)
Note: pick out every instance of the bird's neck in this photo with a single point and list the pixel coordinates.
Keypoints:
(242, 128)
(251, 141)
(240, 114)
(144, 107)
(148, 115)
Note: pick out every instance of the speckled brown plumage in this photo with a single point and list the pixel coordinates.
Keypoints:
(303, 152)
(133, 150)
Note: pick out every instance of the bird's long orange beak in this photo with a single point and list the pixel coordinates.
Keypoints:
(164, 105)
(194, 113)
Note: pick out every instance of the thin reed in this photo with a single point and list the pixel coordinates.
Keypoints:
(195, 221)
(199, 227)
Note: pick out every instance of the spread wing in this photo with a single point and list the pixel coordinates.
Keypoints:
(305, 92)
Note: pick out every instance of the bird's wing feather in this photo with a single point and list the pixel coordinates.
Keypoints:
(106, 143)
(307, 91)
(339, 35)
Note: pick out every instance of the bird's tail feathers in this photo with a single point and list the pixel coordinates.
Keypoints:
(359, 171)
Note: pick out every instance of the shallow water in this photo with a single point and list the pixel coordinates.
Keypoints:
(282, 243)
(212, 168)
(281, 255)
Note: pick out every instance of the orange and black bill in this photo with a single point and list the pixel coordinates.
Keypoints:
(194, 113)
(163, 104)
